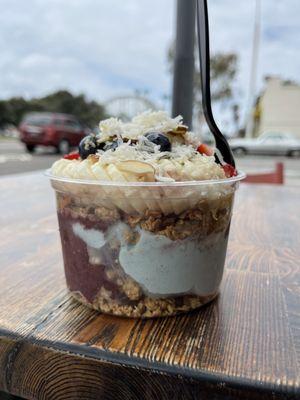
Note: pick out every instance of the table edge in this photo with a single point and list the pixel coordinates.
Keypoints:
(126, 361)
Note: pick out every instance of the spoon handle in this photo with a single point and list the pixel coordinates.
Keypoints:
(203, 42)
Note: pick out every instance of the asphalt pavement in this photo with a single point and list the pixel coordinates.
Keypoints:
(14, 159)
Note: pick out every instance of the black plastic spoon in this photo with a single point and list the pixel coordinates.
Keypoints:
(203, 41)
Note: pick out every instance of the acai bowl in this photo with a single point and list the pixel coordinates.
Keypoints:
(144, 214)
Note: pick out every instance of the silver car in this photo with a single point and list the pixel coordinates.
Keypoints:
(268, 143)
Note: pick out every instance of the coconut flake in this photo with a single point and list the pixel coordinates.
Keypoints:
(192, 139)
(157, 121)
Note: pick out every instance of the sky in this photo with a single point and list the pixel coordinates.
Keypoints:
(108, 48)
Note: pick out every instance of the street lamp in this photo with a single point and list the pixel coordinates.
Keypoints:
(183, 80)
(253, 73)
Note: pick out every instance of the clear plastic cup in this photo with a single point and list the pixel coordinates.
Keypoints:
(144, 249)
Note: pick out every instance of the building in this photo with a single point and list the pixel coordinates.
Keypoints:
(278, 108)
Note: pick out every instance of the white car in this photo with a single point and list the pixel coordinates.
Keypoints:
(268, 143)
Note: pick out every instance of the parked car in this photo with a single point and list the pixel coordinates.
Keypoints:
(62, 131)
(268, 143)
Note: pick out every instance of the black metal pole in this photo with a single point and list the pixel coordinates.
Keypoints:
(183, 80)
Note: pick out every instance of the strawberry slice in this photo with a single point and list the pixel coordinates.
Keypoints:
(204, 149)
(72, 156)
(229, 170)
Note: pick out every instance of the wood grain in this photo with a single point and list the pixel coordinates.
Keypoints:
(246, 344)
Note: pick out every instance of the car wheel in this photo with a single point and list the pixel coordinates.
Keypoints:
(30, 148)
(239, 151)
(63, 147)
(294, 153)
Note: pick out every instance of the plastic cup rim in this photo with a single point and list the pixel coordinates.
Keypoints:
(240, 176)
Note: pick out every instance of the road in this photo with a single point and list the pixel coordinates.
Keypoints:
(14, 159)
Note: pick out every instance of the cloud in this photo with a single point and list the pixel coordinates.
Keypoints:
(106, 48)
(99, 47)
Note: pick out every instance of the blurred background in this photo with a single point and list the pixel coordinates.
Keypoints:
(66, 65)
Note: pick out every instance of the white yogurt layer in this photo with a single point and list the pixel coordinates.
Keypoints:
(161, 266)
(94, 241)
(91, 237)
(165, 267)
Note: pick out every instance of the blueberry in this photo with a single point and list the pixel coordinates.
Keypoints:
(159, 139)
(87, 146)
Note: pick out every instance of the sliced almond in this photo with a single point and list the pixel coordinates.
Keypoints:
(180, 130)
(136, 167)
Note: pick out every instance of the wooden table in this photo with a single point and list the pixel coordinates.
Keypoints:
(245, 345)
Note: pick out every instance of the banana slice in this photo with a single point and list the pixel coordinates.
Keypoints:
(107, 194)
(171, 203)
(145, 172)
(178, 199)
(103, 193)
(84, 169)
(141, 171)
(127, 199)
(69, 169)
(119, 198)
(165, 203)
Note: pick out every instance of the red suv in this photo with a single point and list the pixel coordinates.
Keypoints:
(62, 131)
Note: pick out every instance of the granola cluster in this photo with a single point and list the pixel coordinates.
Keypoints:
(67, 204)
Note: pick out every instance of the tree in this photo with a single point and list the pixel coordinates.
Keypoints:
(89, 112)
(12, 110)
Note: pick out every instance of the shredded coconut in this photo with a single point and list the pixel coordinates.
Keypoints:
(126, 151)
(149, 121)
(192, 139)
(158, 121)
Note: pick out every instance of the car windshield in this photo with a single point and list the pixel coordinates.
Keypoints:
(71, 123)
(38, 120)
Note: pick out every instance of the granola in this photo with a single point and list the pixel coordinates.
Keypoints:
(202, 220)
(147, 307)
